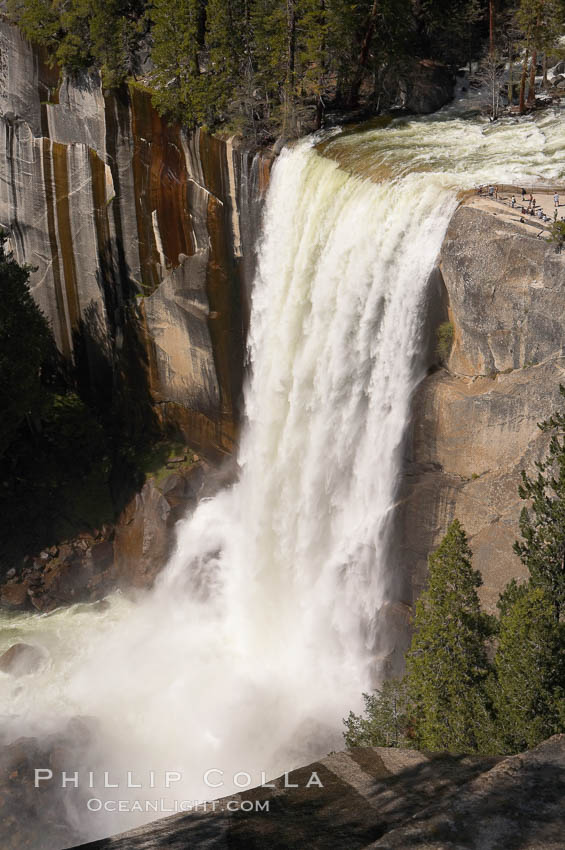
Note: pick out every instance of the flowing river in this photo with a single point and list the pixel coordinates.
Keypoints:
(266, 625)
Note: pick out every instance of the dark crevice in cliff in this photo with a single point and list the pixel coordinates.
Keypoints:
(50, 194)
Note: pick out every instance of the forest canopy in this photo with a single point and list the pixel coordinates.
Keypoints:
(264, 66)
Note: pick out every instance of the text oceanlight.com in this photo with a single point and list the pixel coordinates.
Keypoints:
(164, 806)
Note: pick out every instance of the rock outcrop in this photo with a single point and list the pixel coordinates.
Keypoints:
(383, 799)
(145, 531)
(141, 238)
(475, 422)
(128, 554)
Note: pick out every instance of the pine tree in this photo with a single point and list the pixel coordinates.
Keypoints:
(178, 36)
(542, 549)
(268, 23)
(85, 34)
(115, 28)
(540, 22)
(228, 53)
(447, 662)
(384, 722)
(529, 695)
(445, 27)
(37, 19)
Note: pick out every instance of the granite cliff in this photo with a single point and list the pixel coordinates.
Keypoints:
(141, 237)
(474, 426)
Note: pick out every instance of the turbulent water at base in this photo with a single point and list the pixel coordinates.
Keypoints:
(265, 626)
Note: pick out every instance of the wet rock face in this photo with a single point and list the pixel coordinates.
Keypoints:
(474, 425)
(138, 232)
(145, 532)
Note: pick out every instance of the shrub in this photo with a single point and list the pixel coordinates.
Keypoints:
(444, 341)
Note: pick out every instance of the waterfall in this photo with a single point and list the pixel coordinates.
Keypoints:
(292, 559)
(263, 630)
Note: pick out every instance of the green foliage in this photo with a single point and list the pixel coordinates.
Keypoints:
(384, 722)
(541, 22)
(510, 596)
(447, 27)
(154, 462)
(37, 19)
(177, 41)
(445, 334)
(447, 663)
(529, 696)
(266, 66)
(228, 51)
(542, 548)
(85, 34)
(25, 341)
(558, 232)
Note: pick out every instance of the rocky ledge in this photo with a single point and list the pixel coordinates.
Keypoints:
(384, 799)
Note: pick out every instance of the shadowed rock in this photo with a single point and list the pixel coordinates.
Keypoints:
(384, 799)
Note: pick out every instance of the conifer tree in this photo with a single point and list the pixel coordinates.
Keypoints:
(529, 695)
(268, 22)
(540, 22)
(177, 40)
(385, 719)
(37, 19)
(447, 662)
(542, 548)
(228, 54)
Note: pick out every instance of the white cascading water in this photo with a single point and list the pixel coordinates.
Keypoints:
(262, 631)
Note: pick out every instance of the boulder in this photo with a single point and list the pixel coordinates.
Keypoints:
(21, 659)
(425, 86)
(14, 595)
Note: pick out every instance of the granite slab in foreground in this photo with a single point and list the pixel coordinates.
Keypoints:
(385, 799)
